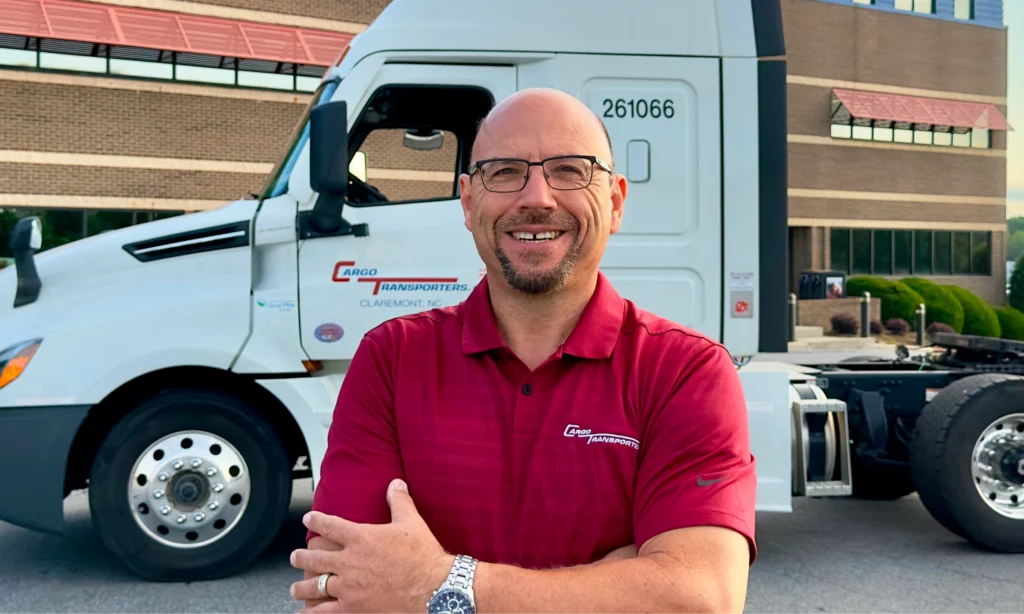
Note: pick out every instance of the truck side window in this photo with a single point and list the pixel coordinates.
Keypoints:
(416, 140)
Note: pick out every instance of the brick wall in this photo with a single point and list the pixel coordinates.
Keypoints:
(125, 182)
(357, 11)
(850, 209)
(820, 312)
(881, 170)
(384, 149)
(857, 44)
(64, 118)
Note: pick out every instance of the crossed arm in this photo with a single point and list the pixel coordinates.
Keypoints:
(695, 569)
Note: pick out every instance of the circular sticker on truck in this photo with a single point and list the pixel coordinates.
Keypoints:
(329, 332)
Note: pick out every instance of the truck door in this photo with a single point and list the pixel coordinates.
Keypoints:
(662, 115)
(414, 126)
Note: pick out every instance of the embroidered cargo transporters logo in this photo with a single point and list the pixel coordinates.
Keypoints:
(574, 430)
(346, 271)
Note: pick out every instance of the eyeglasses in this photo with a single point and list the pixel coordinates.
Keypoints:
(561, 172)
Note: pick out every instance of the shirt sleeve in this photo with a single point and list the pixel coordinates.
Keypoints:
(362, 444)
(696, 467)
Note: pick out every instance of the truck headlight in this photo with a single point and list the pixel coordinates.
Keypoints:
(14, 359)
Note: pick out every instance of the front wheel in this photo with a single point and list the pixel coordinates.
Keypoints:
(191, 485)
(967, 460)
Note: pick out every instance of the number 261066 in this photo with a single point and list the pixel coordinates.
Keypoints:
(640, 107)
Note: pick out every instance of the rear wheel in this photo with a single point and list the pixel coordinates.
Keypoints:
(191, 485)
(967, 460)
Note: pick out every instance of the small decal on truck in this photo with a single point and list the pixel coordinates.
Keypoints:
(329, 332)
(346, 271)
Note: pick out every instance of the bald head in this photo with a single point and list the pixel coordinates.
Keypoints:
(541, 119)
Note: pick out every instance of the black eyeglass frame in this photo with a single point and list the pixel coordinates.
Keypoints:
(594, 160)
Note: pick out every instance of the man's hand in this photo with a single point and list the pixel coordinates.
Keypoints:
(394, 567)
(318, 543)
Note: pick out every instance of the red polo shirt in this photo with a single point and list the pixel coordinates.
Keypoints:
(634, 427)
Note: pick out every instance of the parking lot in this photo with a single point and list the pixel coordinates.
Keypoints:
(828, 556)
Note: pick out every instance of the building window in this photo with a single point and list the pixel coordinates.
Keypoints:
(963, 9)
(911, 134)
(910, 252)
(918, 6)
(136, 62)
(863, 1)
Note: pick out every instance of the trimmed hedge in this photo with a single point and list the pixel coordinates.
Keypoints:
(898, 300)
(940, 304)
(979, 317)
(1012, 323)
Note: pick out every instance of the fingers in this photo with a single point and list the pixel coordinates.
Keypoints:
(315, 561)
(306, 590)
(400, 501)
(337, 530)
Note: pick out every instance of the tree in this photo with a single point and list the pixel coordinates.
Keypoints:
(1015, 249)
(1017, 285)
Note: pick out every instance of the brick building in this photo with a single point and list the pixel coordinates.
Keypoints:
(922, 195)
(113, 112)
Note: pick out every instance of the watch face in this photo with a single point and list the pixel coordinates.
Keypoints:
(450, 600)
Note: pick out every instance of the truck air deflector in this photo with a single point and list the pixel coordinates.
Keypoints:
(210, 239)
(768, 33)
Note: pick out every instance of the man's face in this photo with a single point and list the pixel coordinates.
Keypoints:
(540, 237)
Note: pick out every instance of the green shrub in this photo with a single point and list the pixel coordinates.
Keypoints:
(940, 304)
(898, 300)
(1016, 299)
(1011, 321)
(979, 317)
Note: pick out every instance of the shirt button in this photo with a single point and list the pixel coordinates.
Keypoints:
(527, 389)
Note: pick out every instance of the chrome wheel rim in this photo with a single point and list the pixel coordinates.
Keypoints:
(189, 489)
(997, 466)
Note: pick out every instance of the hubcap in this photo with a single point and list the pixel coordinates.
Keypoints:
(997, 466)
(189, 489)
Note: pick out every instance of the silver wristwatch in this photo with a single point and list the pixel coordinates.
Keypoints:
(456, 594)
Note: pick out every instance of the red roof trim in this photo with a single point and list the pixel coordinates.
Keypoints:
(919, 110)
(133, 27)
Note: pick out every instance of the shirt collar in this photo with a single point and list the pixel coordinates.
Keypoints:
(594, 336)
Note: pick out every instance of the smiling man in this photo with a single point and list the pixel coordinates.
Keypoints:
(545, 445)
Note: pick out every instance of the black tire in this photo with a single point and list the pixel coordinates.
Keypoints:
(214, 412)
(880, 482)
(940, 458)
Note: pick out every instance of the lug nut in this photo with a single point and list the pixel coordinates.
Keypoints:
(212, 471)
(165, 510)
(213, 505)
(177, 464)
(196, 462)
(218, 487)
(199, 517)
(162, 477)
(181, 519)
(158, 493)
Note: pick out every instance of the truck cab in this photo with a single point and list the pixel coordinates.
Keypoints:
(185, 371)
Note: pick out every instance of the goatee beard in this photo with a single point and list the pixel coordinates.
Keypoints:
(540, 282)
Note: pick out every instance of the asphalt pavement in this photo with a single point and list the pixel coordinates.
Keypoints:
(827, 556)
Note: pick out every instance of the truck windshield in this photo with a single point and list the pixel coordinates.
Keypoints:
(277, 184)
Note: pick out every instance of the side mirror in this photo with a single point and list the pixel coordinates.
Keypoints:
(26, 240)
(328, 149)
(423, 140)
(27, 235)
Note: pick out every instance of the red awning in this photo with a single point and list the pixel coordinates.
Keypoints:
(919, 110)
(132, 27)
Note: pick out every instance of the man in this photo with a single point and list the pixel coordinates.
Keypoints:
(576, 452)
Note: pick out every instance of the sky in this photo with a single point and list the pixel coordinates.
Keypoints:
(1013, 16)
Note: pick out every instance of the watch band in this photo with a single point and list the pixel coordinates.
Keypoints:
(461, 576)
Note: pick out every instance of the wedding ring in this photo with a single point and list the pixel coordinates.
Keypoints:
(321, 584)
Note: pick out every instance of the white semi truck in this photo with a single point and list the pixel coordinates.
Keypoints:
(185, 371)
